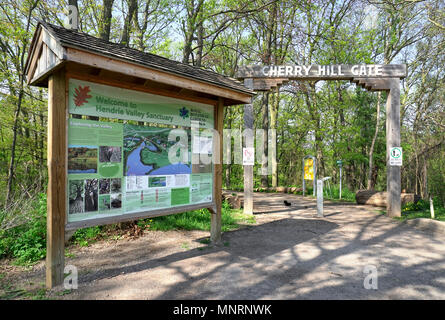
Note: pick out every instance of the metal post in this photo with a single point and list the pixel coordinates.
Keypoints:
(340, 180)
(320, 198)
(314, 192)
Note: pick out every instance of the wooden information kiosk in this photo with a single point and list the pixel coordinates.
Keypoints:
(114, 118)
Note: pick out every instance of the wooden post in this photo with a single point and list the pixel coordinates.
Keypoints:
(56, 203)
(393, 179)
(248, 143)
(215, 223)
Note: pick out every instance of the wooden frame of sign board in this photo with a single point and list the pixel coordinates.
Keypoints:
(212, 206)
(58, 177)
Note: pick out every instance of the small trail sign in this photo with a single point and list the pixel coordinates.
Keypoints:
(309, 169)
(248, 156)
(339, 163)
(395, 156)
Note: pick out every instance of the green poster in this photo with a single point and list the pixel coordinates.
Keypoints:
(115, 168)
(94, 169)
(95, 99)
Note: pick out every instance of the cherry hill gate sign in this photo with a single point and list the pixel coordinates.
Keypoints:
(373, 77)
(322, 72)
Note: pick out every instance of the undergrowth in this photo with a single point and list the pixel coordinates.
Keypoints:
(26, 244)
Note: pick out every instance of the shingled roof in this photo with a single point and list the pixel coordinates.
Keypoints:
(78, 40)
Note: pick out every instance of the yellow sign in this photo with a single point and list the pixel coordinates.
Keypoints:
(308, 169)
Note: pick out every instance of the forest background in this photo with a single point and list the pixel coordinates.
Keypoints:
(332, 120)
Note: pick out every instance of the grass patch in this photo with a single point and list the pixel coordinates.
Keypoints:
(332, 193)
(9, 291)
(84, 237)
(199, 220)
(421, 209)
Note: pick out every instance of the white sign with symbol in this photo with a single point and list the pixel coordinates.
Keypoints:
(248, 156)
(395, 156)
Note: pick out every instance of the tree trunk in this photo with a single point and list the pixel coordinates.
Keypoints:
(107, 14)
(13, 147)
(370, 185)
(273, 127)
(200, 45)
(132, 7)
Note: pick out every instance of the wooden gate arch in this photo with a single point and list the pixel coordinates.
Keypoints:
(373, 77)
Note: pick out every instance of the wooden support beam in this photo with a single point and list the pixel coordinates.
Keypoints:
(216, 213)
(382, 84)
(393, 176)
(248, 143)
(57, 159)
(267, 84)
(374, 84)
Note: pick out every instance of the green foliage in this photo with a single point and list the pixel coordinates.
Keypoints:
(419, 205)
(334, 194)
(421, 209)
(27, 243)
(83, 237)
(199, 220)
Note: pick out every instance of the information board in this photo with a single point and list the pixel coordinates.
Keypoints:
(118, 168)
(308, 169)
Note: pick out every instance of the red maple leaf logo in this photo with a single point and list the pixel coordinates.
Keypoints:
(81, 95)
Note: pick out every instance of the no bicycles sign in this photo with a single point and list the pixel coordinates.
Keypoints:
(248, 156)
(395, 156)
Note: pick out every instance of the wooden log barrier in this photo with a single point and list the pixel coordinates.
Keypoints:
(380, 198)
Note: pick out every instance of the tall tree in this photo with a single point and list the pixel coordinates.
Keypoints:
(14, 41)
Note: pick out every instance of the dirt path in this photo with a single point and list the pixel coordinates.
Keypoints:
(288, 254)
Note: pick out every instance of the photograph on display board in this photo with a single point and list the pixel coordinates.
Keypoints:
(76, 191)
(110, 154)
(116, 201)
(104, 186)
(82, 159)
(146, 152)
(116, 185)
(91, 195)
(104, 202)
